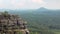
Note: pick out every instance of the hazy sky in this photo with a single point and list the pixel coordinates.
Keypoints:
(29, 4)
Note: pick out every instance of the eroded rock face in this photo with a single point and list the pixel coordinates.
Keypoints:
(11, 22)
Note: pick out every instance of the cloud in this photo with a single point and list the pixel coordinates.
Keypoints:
(38, 1)
(28, 4)
(52, 4)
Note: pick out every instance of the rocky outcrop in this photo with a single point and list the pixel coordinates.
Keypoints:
(12, 24)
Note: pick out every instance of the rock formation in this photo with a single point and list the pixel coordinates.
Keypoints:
(12, 24)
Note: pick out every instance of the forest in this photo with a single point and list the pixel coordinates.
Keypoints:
(41, 21)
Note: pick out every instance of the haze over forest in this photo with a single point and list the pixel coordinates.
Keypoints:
(40, 21)
(43, 16)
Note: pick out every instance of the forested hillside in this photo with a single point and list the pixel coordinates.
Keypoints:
(41, 21)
